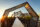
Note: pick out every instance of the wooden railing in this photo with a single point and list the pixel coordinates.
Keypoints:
(39, 23)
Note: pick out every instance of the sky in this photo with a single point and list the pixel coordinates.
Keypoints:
(6, 4)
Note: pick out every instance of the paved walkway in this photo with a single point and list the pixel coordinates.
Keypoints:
(17, 23)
